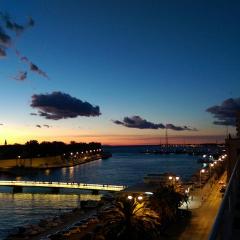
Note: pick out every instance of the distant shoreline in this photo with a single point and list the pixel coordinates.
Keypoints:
(49, 162)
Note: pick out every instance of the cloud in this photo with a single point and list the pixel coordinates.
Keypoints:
(33, 67)
(2, 52)
(58, 105)
(33, 114)
(1, 124)
(225, 113)
(44, 125)
(5, 40)
(140, 123)
(36, 69)
(21, 76)
(13, 26)
(179, 128)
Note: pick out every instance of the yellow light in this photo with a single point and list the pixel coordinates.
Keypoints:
(170, 177)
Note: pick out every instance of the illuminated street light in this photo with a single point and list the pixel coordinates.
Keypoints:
(201, 171)
(149, 193)
(170, 177)
(177, 178)
(140, 198)
(130, 197)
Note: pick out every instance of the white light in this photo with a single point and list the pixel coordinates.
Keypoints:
(149, 193)
(170, 177)
(130, 197)
(211, 165)
(140, 198)
(203, 170)
(177, 178)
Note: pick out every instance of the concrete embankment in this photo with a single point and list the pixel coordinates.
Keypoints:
(47, 162)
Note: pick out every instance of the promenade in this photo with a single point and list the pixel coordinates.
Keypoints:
(203, 213)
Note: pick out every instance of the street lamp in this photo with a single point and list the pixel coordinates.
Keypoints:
(130, 197)
(201, 171)
(140, 198)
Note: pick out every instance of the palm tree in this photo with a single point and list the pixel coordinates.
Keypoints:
(131, 219)
(166, 202)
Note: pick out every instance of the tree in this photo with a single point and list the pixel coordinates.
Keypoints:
(131, 219)
(166, 201)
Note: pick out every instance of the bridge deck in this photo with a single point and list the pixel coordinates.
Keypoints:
(84, 186)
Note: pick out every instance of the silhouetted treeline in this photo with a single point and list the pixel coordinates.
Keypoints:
(34, 149)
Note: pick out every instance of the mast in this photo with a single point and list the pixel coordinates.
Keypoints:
(166, 137)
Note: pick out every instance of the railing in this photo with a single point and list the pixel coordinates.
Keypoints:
(222, 228)
(86, 186)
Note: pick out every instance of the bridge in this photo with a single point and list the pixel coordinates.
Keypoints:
(18, 185)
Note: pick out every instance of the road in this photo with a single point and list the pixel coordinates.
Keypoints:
(203, 217)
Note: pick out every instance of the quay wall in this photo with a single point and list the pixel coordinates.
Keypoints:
(41, 162)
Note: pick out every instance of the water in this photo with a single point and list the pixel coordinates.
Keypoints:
(127, 166)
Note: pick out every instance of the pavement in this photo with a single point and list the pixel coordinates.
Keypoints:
(204, 207)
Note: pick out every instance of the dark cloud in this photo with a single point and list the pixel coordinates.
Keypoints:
(33, 114)
(140, 123)
(225, 113)
(179, 128)
(21, 76)
(44, 125)
(36, 69)
(33, 67)
(5, 40)
(58, 105)
(2, 52)
(1, 124)
(13, 26)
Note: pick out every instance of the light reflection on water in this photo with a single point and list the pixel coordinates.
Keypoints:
(25, 208)
(126, 167)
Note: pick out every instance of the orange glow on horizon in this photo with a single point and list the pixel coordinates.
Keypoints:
(121, 140)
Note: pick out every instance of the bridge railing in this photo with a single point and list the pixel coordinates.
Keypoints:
(222, 227)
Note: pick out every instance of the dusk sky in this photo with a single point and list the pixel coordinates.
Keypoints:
(118, 72)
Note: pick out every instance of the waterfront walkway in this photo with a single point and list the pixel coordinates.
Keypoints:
(203, 215)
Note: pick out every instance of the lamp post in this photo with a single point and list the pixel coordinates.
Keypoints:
(201, 171)
(171, 180)
(211, 165)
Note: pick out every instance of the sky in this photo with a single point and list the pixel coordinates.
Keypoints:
(118, 72)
